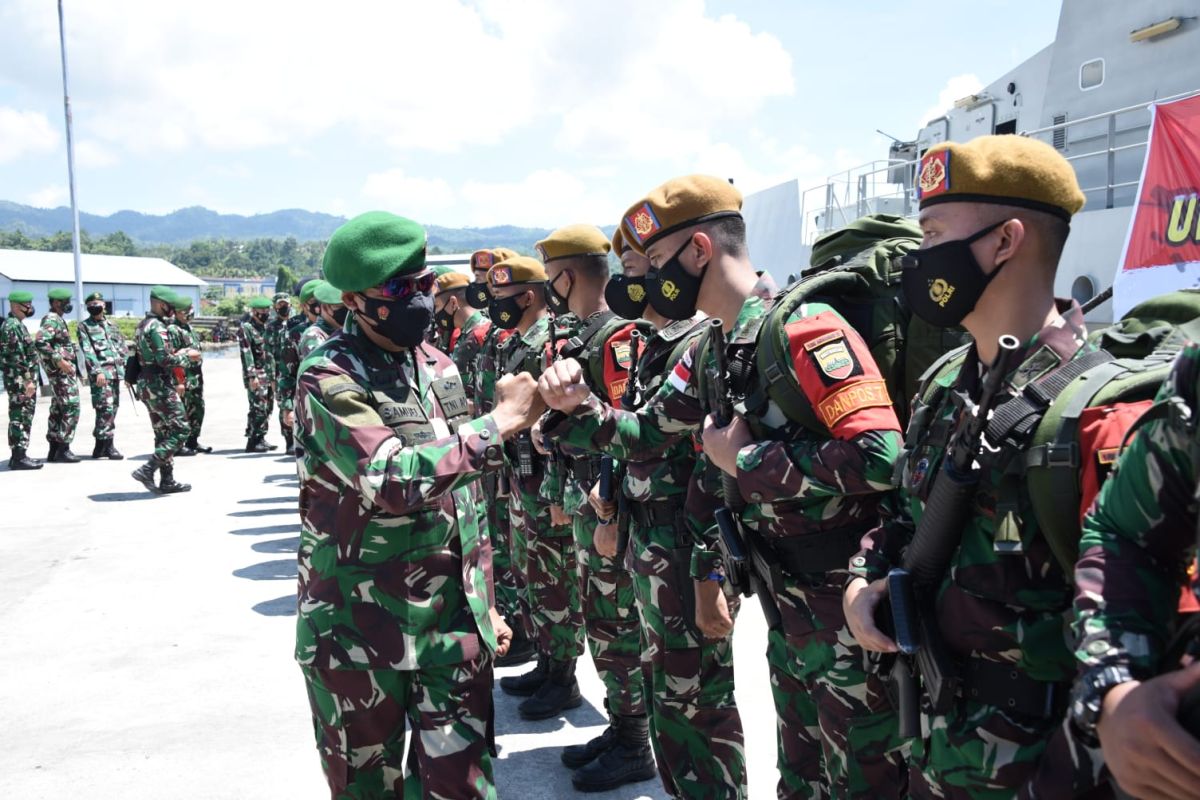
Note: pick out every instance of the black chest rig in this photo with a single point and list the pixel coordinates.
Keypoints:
(661, 354)
(396, 395)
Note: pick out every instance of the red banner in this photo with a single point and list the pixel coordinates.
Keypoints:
(1162, 251)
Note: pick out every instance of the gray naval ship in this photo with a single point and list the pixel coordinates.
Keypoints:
(1088, 93)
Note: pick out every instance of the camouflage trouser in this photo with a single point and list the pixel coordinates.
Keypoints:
(193, 406)
(167, 418)
(106, 400)
(259, 401)
(495, 512)
(610, 619)
(284, 407)
(697, 731)
(837, 735)
(359, 719)
(979, 751)
(64, 409)
(20, 417)
(518, 556)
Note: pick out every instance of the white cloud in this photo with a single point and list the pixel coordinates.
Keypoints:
(49, 197)
(90, 154)
(547, 197)
(956, 88)
(415, 197)
(24, 133)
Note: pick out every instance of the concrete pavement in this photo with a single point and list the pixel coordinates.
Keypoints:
(149, 639)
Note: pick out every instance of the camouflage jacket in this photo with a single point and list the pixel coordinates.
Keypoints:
(1006, 607)
(102, 344)
(18, 355)
(796, 481)
(487, 368)
(391, 559)
(468, 348)
(1140, 536)
(184, 337)
(157, 357)
(526, 352)
(313, 336)
(287, 358)
(256, 356)
(54, 343)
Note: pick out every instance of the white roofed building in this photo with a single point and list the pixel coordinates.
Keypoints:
(124, 281)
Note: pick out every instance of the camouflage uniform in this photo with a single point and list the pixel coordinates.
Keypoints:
(393, 599)
(282, 380)
(104, 350)
(191, 375)
(54, 344)
(806, 490)
(994, 608)
(313, 336)
(156, 387)
(19, 363)
(256, 363)
(1139, 538)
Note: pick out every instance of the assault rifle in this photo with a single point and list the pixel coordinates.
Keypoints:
(907, 613)
(746, 569)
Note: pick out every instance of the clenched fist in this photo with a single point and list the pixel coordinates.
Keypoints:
(518, 404)
(562, 385)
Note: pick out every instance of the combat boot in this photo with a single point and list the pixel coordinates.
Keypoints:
(53, 454)
(18, 460)
(98, 450)
(578, 755)
(255, 444)
(185, 450)
(194, 443)
(520, 650)
(63, 455)
(558, 693)
(145, 474)
(527, 683)
(111, 452)
(629, 760)
(167, 483)
(287, 441)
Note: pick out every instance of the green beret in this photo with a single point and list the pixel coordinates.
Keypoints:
(371, 248)
(182, 301)
(59, 294)
(94, 296)
(325, 293)
(259, 301)
(161, 292)
(573, 240)
(307, 290)
(1005, 170)
(680, 203)
(519, 269)
(20, 296)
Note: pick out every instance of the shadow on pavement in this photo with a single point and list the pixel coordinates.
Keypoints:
(281, 477)
(229, 452)
(291, 498)
(288, 545)
(262, 512)
(263, 530)
(279, 570)
(279, 607)
(120, 497)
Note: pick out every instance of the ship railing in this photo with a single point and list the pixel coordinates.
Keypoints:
(860, 190)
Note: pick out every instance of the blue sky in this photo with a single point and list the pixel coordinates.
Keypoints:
(480, 112)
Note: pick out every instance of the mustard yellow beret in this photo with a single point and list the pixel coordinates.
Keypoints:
(518, 269)
(486, 259)
(678, 203)
(573, 240)
(451, 280)
(1006, 170)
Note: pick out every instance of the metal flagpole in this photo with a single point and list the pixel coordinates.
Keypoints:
(62, 38)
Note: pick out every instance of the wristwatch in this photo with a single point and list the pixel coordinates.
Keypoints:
(1087, 699)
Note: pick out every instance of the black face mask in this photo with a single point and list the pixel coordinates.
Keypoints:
(261, 316)
(29, 310)
(339, 316)
(942, 284)
(403, 321)
(626, 297)
(66, 308)
(557, 302)
(505, 312)
(672, 291)
(315, 309)
(283, 311)
(444, 319)
(95, 311)
(477, 295)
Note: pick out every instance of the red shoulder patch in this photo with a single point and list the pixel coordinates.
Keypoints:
(480, 331)
(839, 377)
(616, 364)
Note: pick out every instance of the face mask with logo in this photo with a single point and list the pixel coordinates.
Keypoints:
(943, 284)
(477, 295)
(402, 321)
(444, 318)
(671, 290)
(558, 302)
(506, 312)
(626, 297)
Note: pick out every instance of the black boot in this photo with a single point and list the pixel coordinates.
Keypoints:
(53, 454)
(520, 650)
(185, 450)
(111, 452)
(18, 460)
(194, 444)
(527, 683)
(628, 760)
(167, 483)
(145, 474)
(63, 455)
(558, 693)
(256, 445)
(287, 440)
(578, 755)
(98, 450)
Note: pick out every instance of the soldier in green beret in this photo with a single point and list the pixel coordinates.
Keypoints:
(19, 367)
(258, 369)
(331, 316)
(104, 351)
(283, 380)
(58, 359)
(396, 625)
(159, 387)
(185, 337)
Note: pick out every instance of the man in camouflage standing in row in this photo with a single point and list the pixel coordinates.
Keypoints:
(104, 351)
(282, 376)
(19, 367)
(258, 371)
(58, 359)
(185, 337)
(331, 316)
(160, 391)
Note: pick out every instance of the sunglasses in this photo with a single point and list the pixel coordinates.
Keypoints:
(400, 287)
